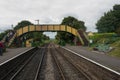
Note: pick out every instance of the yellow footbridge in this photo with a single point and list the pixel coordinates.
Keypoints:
(47, 28)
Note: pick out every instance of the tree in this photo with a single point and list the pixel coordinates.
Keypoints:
(23, 24)
(116, 12)
(73, 22)
(110, 22)
(106, 23)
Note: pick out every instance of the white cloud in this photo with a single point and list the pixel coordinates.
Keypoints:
(53, 11)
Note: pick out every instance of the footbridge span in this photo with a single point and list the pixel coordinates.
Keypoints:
(46, 28)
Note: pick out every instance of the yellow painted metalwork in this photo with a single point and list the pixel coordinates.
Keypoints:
(85, 36)
(68, 29)
(19, 31)
(32, 28)
(57, 28)
(28, 43)
(38, 28)
(65, 28)
(62, 27)
(47, 28)
(25, 29)
(50, 28)
(74, 31)
(44, 27)
(80, 38)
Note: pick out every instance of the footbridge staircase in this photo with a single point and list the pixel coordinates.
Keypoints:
(10, 39)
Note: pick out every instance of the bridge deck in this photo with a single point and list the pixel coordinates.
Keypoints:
(103, 59)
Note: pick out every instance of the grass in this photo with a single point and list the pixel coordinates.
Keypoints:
(116, 51)
(110, 39)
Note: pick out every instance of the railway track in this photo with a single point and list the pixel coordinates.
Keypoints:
(27, 69)
(67, 69)
(8, 68)
(60, 70)
(89, 67)
(53, 63)
(30, 70)
(87, 70)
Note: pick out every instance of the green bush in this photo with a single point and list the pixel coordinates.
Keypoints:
(103, 36)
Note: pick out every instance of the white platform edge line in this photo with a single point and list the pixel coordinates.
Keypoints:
(94, 62)
(15, 56)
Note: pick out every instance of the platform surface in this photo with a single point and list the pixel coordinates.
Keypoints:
(104, 59)
(11, 52)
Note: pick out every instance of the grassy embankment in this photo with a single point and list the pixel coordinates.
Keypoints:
(116, 50)
(110, 39)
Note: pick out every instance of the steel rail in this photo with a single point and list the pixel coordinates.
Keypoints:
(11, 69)
(15, 56)
(40, 65)
(13, 77)
(94, 62)
(58, 65)
(75, 66)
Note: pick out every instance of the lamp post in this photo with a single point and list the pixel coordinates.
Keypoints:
(12, 27)
(37, 21)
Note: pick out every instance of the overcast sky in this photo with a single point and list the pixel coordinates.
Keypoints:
(53, 11)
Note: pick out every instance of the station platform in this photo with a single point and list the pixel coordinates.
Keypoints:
(103, 59)
(11, 52)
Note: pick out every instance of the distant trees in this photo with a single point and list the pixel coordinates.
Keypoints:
(73, 22)
(110, 22)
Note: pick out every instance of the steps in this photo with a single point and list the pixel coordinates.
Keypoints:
(3, 40)
(83, 36)
(11, 40)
